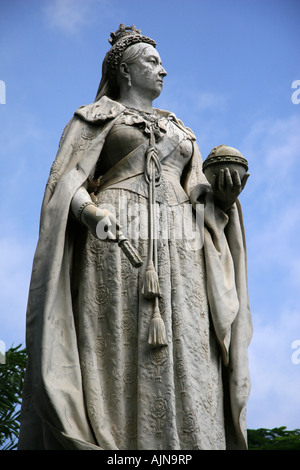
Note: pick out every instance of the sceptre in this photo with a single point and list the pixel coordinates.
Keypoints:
(125, 245)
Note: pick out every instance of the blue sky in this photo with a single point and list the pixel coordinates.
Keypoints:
(231, 66)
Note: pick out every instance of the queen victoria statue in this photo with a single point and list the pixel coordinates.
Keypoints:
(138, 319)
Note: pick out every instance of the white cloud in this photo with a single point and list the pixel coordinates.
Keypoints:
(272, 148)
(210, 101)
(70, 16)
(272, 194)
(274, 245)
(16, 262)
(272, 213)
(274, 398)
(66, 15)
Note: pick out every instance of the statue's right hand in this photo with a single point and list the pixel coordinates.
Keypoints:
(101, 223)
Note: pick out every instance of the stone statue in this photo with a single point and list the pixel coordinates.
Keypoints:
(138, 319)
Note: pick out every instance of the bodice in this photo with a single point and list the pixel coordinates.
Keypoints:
(133, 129)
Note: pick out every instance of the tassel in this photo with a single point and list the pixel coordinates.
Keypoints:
(157, 331)
(150, 287)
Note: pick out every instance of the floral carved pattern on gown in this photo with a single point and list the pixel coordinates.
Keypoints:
(138, 397)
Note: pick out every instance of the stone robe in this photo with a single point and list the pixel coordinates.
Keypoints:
(92, 382)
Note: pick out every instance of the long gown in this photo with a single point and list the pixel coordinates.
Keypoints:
(92, 380)
(138, 397)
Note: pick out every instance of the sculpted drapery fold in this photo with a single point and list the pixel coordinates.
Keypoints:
(86, 321)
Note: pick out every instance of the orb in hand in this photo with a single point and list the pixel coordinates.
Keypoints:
(222, 157)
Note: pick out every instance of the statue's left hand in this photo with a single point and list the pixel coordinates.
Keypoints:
(227, 187)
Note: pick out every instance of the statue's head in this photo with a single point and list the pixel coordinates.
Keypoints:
(128, 61)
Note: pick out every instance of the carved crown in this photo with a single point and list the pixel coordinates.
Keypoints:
(122, 32)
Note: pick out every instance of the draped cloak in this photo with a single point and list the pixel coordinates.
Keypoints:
(54, 414)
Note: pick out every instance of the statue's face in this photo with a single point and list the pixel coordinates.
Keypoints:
(147, 73)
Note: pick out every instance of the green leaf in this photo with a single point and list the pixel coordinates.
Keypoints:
(12, 373)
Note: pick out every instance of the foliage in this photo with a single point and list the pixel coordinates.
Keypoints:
(273, 439)
(12, 371)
